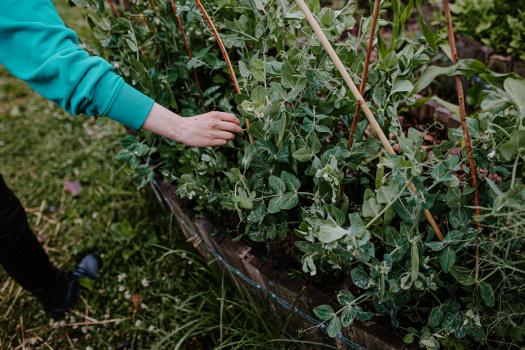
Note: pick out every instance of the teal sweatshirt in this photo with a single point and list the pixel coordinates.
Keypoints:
(38, 48)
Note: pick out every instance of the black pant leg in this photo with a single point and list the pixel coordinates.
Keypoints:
(22, 255)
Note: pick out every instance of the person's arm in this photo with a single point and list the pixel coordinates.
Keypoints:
(38, 48)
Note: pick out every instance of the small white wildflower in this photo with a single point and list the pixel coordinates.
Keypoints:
(138, 323)
(106, 316)
(121, 288)
(144, 282)
(151, 328)
(116, 65)
(121, 277)
(127, 295)
(84, 330)
(491, 154)
(89, 348)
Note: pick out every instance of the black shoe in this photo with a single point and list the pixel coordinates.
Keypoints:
(87, 268)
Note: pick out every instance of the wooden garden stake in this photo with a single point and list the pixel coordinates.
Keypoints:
(187, 47)
(114, 9)
(233, 77)
(462, 112)
(368, 113)
(362, 85)
(464, 126)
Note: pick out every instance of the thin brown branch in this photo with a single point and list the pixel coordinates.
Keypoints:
(359, 99)
(114, 9)
(362, 85)
(233, 77)
(189, 52)
(462, 111)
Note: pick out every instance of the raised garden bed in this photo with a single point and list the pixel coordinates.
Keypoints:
(287, 299)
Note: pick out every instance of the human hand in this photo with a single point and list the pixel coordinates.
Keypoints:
(208, 129)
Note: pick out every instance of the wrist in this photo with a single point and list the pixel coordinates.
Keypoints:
(176, 127)
(161, 121)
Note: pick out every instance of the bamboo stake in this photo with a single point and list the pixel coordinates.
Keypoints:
(189, 52)
(462, 112)
(362, 85)
(368, 113)
(463, 119)
(233, 77)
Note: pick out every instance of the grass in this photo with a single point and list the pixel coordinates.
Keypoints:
(154, 292)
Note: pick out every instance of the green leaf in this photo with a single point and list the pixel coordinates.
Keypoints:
(371, 208)
(386, 194)
(257, 214)
(249, 153)
(447, 258)
(435, 246)
(359, 277)
(462, 275)
(487, 294)
(324, 312)
(427, 32)
(345, 297)
(454, 237)
(516, 90)
(277, 185)
(274, 206)
(364, 315)
(288, 200)
(291, 181)
(303, 154)
(402, 86)
(348, 316)
(430, 74)
(334, 327)
(436, 317)
(409, 338)
(330, 232)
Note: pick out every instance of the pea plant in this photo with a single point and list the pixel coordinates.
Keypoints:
(344, 207)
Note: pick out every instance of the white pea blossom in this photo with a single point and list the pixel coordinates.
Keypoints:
(144, 282)
(121, 277)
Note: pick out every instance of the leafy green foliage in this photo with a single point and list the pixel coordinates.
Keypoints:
(499, 24)
(346, 211)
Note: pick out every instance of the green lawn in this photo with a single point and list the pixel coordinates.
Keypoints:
(154, 292)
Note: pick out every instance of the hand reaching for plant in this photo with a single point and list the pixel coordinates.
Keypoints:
(208, 129)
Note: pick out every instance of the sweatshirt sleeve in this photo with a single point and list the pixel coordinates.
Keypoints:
(37, 47)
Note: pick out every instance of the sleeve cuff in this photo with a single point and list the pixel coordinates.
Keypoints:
(130, 107)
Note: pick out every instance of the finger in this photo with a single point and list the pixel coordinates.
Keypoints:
(227, 126)
(228, 117)
(225, 135)
(218, 142)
